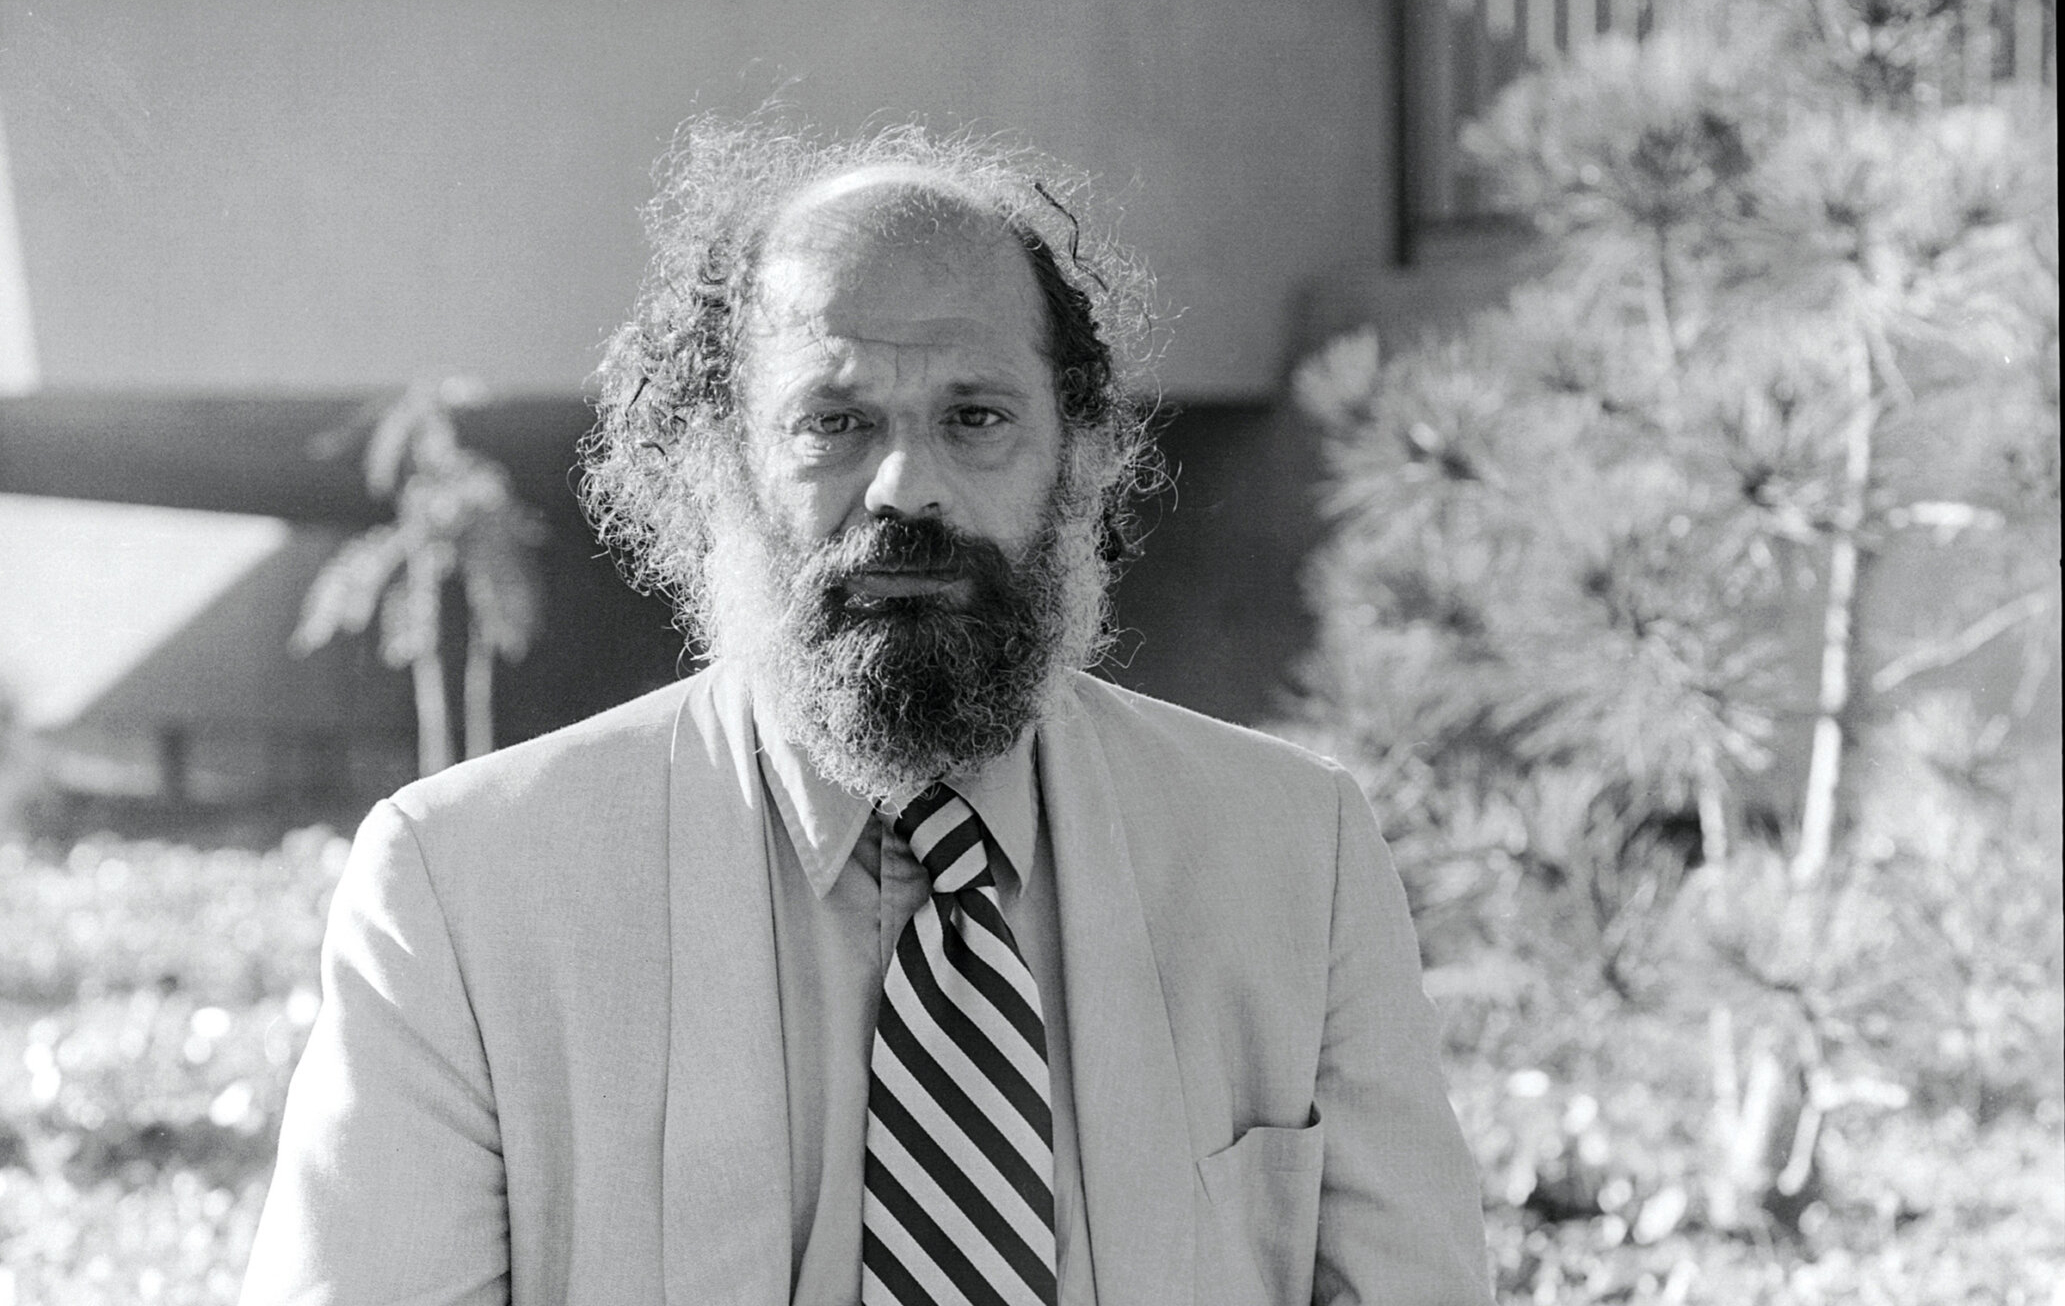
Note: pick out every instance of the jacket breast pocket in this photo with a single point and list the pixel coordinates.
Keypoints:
(1260, 1225)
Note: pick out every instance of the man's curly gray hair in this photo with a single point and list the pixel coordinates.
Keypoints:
(667, 440)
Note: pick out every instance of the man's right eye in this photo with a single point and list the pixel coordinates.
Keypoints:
(836, 423)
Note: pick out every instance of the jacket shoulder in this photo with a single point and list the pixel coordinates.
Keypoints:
(591, 755)
(1163, 735)
(1198, 780)
(564, 835)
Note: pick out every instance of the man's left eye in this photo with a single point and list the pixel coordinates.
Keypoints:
(977, 417)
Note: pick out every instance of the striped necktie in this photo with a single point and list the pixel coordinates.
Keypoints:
(959, 1200)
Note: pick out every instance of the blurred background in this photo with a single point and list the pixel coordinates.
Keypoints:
(1624, 432)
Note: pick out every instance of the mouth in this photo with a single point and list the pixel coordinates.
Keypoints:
(875, 585)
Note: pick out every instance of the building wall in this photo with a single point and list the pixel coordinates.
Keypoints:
(257, 193)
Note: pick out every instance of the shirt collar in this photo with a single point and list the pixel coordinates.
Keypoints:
(824, 821)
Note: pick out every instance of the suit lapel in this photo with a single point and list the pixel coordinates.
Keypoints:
(1130, 1118)
(726, 1147)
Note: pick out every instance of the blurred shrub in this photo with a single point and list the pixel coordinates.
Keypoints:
(169, 1238)
(1926, 977)
(1593, 1196)
(153, 1000)
(224, 926)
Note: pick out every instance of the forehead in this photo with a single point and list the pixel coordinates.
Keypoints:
(876, 267)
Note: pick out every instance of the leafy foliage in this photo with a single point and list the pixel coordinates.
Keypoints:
(456, 515)
(1734, 912)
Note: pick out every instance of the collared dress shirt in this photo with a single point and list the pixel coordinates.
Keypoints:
(844, 885)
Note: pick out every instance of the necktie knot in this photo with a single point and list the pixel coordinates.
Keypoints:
(946, 837)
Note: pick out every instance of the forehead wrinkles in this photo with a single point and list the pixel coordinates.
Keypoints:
(796, 362)
(891, 263)
(807, 323)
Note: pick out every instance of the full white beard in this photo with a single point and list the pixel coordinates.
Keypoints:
(830, 696)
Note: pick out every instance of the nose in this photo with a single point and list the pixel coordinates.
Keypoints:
(906, 481)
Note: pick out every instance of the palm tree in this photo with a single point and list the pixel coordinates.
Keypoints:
(456, 516)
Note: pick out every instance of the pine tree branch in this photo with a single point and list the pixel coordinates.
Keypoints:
(1824, 762)
(1963, 644)
(1663, 313)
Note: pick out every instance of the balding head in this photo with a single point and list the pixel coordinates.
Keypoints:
(889, 196)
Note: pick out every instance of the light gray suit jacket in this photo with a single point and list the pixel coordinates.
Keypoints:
(549, 1060)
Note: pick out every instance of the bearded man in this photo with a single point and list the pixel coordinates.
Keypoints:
(892, 958)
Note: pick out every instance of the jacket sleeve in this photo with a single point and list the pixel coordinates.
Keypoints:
(389, 1185)
(1401, 1218)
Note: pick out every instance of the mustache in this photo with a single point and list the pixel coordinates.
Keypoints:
(907, 544)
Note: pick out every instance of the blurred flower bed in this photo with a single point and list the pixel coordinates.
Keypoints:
(153, 999)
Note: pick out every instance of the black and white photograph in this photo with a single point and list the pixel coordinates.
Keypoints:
(954, 653)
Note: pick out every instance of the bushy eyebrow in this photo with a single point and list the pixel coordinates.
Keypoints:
(998, 388)
(838, 392)
(842, 392)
